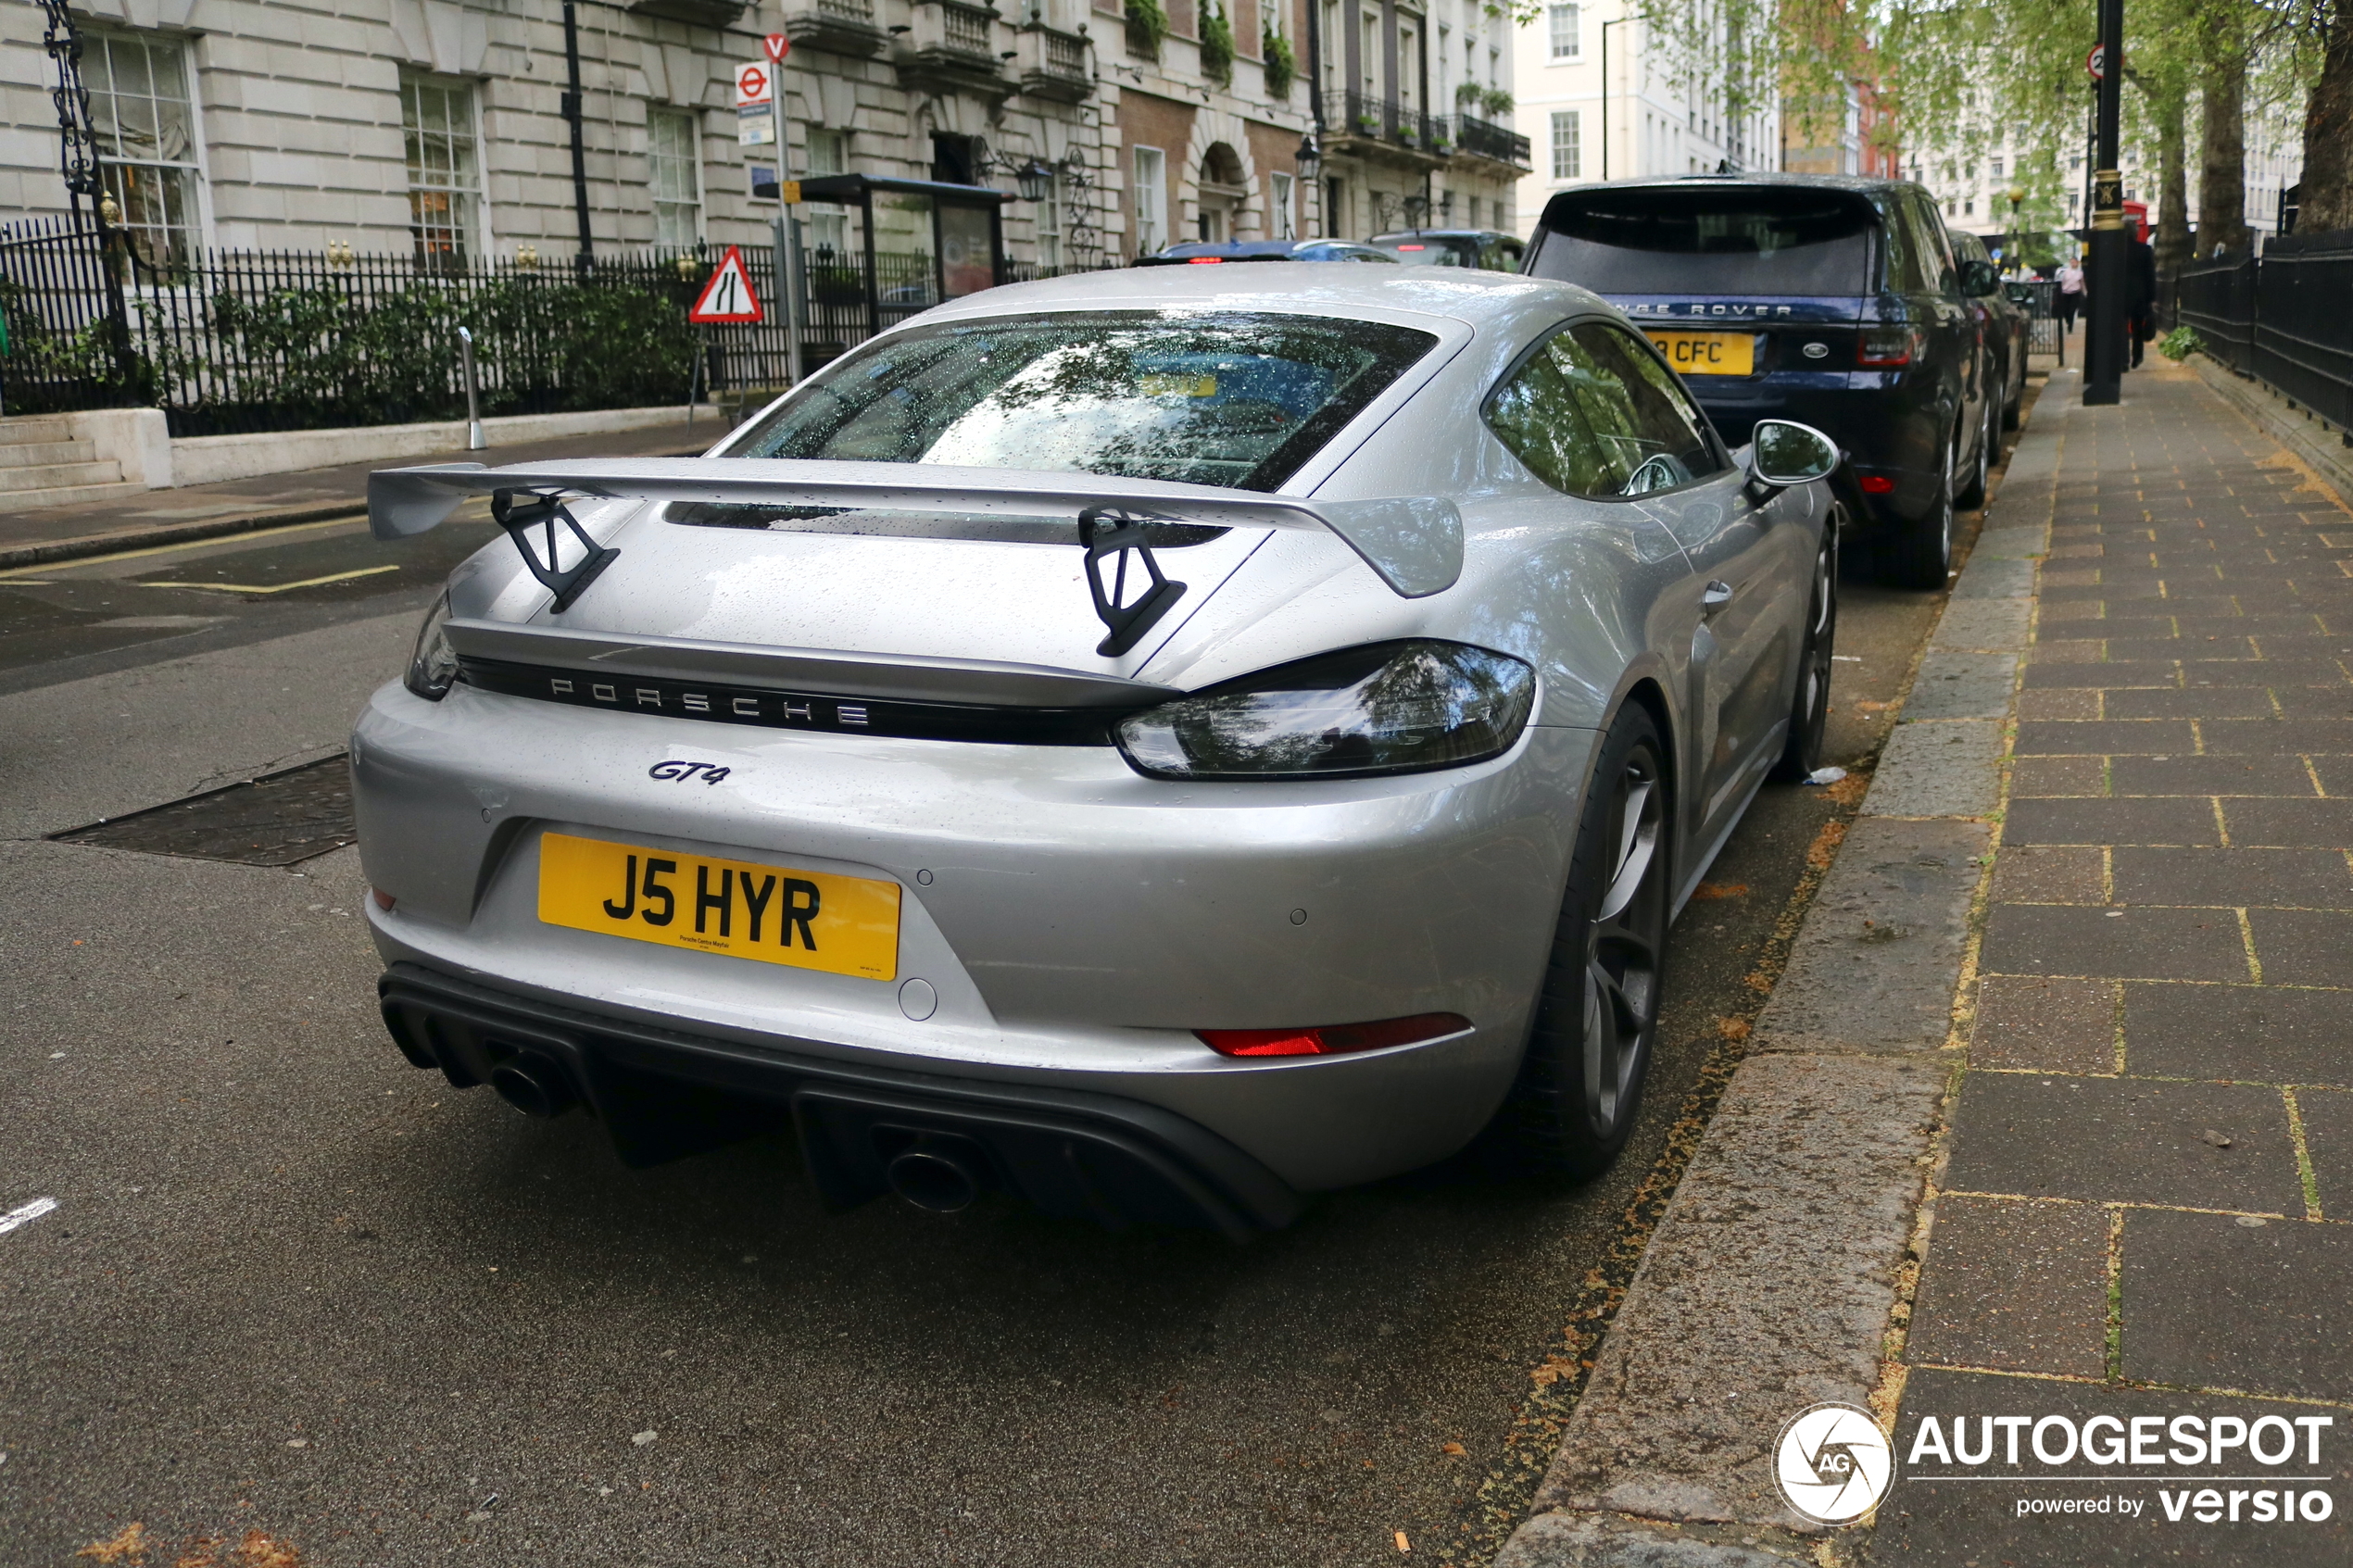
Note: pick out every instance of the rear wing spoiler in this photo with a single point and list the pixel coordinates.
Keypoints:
(1413, 543)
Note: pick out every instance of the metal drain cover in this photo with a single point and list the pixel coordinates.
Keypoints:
(278, 820)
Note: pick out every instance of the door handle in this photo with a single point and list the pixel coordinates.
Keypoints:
(1715, 597)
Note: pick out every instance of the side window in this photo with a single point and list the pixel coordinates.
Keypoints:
(1937, 246)
(1592, 412)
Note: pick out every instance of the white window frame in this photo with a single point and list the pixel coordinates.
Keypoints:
(1282, 200)
(468, 210)
(1564, 21)
(669, 208)
(1569, 144)
(1148, 197)
(186, 171)
(1049, 230)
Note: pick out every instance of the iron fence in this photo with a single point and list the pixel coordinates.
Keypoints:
(237, 342)
(68, 343)
(2218, 302)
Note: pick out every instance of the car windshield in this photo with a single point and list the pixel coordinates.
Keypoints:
(1236, 399)
(1710, 239)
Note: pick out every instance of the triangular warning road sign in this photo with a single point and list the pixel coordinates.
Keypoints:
(728, 296)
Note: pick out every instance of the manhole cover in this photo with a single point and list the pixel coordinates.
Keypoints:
(276, 820)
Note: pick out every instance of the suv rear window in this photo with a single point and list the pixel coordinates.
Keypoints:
(1238, 399)
(1710, 239)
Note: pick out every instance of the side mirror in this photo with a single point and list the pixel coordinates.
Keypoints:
(1783, 452)
(1979, 279)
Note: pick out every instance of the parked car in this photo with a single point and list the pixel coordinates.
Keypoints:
(1837, 301)
(1204, 253)
(2006, 328)
(1161, 748)
(1489, 249)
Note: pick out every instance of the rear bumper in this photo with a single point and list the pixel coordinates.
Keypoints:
(662, 1094)
(1891, 430)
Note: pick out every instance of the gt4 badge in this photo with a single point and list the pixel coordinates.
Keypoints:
(679, 770)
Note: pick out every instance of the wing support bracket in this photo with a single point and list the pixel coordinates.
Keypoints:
(520, 511)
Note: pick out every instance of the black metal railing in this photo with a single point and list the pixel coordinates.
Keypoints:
(1485, 138)
(2216, 299)
(1384, 120)
(69, 346)
(235, 341)
(2039, 298)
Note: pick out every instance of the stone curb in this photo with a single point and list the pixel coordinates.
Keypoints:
(45, 552)
(1769, 1283)
(2269, 409)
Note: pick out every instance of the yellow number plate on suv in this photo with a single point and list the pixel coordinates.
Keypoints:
(810, 919)
(1708, 354)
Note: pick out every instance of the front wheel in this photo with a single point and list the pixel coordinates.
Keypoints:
(1581, 1083)
(1809, 714)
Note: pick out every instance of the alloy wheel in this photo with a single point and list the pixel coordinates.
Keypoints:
(1623, 946)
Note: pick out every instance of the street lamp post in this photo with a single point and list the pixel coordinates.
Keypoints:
(2017, 194)
(2103, 331)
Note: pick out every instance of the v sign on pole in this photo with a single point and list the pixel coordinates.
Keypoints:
(727, 298)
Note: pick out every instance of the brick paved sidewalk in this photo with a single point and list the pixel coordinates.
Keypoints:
(2146, 1206)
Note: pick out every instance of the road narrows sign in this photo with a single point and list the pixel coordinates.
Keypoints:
(727, 298)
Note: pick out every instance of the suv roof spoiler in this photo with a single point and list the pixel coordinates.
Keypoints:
(1413, 543)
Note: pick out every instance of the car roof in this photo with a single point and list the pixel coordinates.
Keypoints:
(1817, 181)
(1441, 234)
(1244, 247)
(1465, 295)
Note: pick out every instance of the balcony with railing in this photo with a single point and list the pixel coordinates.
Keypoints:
(951, 48)
(1053, 64)
(1474, 137)
(837, 27)
(1357, 123)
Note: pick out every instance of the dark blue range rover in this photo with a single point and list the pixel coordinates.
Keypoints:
(1833, 301)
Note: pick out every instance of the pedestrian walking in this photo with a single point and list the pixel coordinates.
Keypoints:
(2070, 294)
(2140, 294)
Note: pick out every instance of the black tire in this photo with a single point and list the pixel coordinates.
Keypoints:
(1581, 1083)
(1980, 469)
(1810, 707)
(2013, 401)
(1918, 552)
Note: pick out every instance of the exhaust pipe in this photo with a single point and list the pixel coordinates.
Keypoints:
(534, 1086)
(939, 1175)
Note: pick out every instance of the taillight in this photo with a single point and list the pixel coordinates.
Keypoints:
(1877, 484)
(1333, 1039)
(1888, 347)
(1203, 261)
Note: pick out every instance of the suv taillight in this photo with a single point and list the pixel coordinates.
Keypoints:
(1888, 347)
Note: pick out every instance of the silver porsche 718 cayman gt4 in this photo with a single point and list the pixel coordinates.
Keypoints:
(1160, 744)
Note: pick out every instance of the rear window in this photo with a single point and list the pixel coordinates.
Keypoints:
(1238, 399)
(1710, 239)
(1431, 252)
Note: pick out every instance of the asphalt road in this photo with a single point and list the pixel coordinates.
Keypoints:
(293, 1285)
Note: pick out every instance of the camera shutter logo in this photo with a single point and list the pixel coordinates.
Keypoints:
(1833, 1464)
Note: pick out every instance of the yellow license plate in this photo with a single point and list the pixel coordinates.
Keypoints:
(810, 919)
(1708, 354)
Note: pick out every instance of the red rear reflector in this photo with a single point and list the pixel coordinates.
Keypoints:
(1413, 247)
(1877, 484)
(1203, 261)
(1333, 1039)
(383, 900)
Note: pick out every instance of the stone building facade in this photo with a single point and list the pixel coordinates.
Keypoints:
(387, 126)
